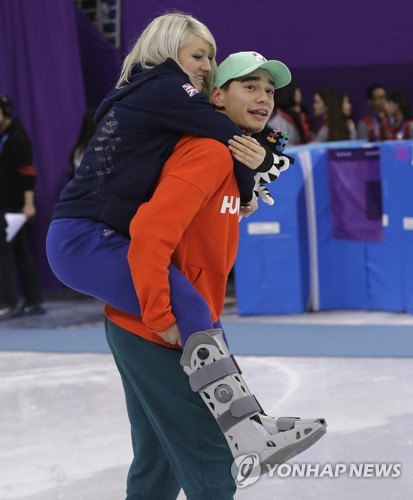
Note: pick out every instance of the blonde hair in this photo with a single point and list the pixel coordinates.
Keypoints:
(162, 39)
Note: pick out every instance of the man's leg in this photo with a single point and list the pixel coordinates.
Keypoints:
(214, 373)
(30, 280)
(150, 474)
(189, 435)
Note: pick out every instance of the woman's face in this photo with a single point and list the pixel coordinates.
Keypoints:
(346, 106)
(195, 59)
(298, 98)
(319, 106)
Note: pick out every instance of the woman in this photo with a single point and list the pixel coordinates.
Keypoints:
(157, 100)
(346, 107)
(291, 114)
(87, 129)
(329, 107)
(398, 107)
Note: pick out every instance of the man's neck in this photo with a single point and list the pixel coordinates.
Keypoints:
(222, 110)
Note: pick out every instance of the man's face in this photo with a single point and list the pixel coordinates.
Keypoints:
(378, 100)
(249, 100)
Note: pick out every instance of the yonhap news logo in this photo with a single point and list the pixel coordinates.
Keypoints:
(246, 470)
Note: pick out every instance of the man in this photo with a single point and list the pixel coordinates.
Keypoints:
(17, 181)
(376, 125)
(192, 221)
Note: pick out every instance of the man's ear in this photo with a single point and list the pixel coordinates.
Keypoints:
(217, 98)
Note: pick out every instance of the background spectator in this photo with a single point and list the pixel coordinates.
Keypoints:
(87, 130)
(376, 125)
(291, 115)
(399, 109)
(17, 180)
(328, 107)
(346, 107)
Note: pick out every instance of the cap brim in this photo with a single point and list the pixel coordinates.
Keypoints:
(279, 71)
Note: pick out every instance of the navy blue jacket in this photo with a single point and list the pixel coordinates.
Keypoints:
(138, 127)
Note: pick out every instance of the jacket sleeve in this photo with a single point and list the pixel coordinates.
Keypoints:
(180, 109)
(21, 150)
(188, 182)
(170, 104)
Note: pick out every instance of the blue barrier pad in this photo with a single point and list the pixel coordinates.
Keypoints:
(299, 268)
(384, 265)
(397, 157)
(342, 280)
(271, 272)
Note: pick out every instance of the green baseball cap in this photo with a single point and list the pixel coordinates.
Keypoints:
(244, 63)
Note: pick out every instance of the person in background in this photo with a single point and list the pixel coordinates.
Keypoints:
(399, 109)
(328, 107)
(291, 115)
(346, 108)
(376, 125)
(87, 130)
(17, 182)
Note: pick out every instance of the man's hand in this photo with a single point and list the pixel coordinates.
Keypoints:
(29, 211)
(171, 335)
(29, 208)
(247, 150)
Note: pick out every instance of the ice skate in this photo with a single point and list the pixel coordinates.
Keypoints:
(215, 375)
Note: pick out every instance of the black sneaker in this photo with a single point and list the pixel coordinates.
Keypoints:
(9, 313)
(36, 310)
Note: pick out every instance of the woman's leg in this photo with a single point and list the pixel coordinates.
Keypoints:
(91, 258)
(190, 438)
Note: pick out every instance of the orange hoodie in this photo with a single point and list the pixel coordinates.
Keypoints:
(191, 221)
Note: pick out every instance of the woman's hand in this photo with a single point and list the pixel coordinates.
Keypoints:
(248, 208)
(171, 335)
(247, 150)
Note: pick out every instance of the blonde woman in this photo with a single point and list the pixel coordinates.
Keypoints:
(161, 95)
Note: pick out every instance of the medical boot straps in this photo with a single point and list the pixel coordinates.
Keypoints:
(215, 375)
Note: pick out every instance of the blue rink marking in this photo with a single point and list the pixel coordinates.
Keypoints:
(244, 338)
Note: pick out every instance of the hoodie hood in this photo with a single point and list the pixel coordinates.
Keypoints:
(139, 77)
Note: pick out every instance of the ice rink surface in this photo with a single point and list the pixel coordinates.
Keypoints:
(64, 432)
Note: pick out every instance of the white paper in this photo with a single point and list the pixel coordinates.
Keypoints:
(14, 224)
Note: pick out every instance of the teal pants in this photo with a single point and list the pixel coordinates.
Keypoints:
(176, 441)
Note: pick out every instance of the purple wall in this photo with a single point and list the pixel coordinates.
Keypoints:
(300, 32)
(100, 61)
(41, 73)
(54, 63)
(346, 45)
